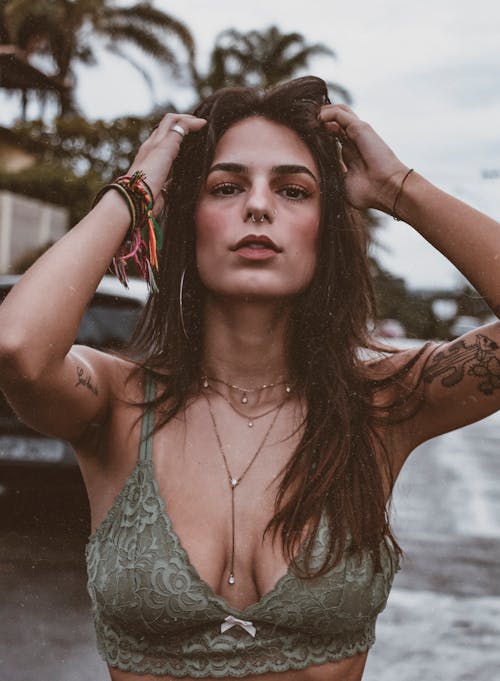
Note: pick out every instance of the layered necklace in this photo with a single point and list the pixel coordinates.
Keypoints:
(207, 382)
(233, 480)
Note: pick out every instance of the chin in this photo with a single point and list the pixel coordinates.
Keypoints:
(255, 294)
(254, 288)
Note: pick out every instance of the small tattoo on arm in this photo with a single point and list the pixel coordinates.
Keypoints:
(85, 380)
(476, 359)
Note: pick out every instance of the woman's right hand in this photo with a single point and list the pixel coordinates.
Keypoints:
(157, 153)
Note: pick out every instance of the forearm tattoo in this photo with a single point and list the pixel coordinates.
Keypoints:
(84, 379)
(476, 359)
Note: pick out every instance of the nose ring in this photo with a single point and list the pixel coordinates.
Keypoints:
(254, 219)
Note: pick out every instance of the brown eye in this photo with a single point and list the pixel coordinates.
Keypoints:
(295, 193)
(225, 189)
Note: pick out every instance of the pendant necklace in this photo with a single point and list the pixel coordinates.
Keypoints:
(245, 391)
(234, 481)
(250, 418)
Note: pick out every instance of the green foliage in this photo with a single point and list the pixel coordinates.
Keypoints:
(103, 148)
(414, 308)
(470, 303)
(76, 157)
(66, 32)
(396, 301)
(54, 184)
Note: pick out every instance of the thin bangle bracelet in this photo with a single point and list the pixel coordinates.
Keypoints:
(398, 196)
(128, 199)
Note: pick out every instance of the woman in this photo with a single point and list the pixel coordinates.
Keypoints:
(240, 460)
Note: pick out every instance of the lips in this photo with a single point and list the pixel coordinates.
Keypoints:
(257, 242)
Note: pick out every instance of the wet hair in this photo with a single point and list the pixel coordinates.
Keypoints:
(334, 470)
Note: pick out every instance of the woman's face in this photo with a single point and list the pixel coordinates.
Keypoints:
(263, 186)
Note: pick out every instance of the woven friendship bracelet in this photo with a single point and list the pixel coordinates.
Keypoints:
(143, 239)
(126, 196)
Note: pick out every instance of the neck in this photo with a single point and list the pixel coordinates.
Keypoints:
(244, 342)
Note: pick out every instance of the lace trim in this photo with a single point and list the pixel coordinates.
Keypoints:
(227, 656)
(154, 614)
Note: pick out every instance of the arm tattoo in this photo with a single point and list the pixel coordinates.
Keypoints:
(476, 359)
(85, 380)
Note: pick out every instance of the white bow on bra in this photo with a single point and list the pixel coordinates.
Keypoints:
(231, 621)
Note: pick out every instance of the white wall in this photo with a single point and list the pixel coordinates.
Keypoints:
(26, 225)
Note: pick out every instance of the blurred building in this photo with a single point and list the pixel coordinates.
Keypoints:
(27, 225)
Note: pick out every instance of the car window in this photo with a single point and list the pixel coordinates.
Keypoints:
(107, 325)
(108, 322)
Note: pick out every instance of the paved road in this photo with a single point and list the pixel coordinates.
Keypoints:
(442, 622)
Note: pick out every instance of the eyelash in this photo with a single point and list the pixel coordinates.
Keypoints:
(218, 190)
(305, 193)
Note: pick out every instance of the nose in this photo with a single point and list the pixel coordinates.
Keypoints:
(259, 206)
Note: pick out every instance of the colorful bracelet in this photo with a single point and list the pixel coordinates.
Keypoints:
(144, 236)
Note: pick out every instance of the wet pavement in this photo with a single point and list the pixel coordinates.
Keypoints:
(442, 622)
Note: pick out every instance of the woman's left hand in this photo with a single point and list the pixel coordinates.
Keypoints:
(373, 172)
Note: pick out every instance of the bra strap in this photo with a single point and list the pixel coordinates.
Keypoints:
(146, 448)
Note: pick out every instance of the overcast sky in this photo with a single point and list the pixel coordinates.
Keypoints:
(425, 74)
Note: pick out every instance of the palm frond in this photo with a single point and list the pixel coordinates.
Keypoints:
(229, 38)
(85, 54)
(300, 59)
(154, 19)
(268, 56)
(146, 41)
(342, 92)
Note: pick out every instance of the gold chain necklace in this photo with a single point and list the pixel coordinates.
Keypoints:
(251, 418)
(233, 481)
(246, 391)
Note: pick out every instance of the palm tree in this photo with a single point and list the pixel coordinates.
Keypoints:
(259, 58)
(65, 32)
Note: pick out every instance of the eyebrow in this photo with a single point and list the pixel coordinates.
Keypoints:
(285, 169)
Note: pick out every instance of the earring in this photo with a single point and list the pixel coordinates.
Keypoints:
(181, 311)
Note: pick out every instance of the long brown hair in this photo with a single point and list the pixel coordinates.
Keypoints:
(334, 469)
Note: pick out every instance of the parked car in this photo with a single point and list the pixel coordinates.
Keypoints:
(107, 324)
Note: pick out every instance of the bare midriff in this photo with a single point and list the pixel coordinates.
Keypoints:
(349, 669)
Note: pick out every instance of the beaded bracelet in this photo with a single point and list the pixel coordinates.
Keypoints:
(143, 238)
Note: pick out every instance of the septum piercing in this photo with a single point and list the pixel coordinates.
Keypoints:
(254, 219)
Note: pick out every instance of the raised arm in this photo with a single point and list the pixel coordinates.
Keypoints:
(40, 370)
(461, 378)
